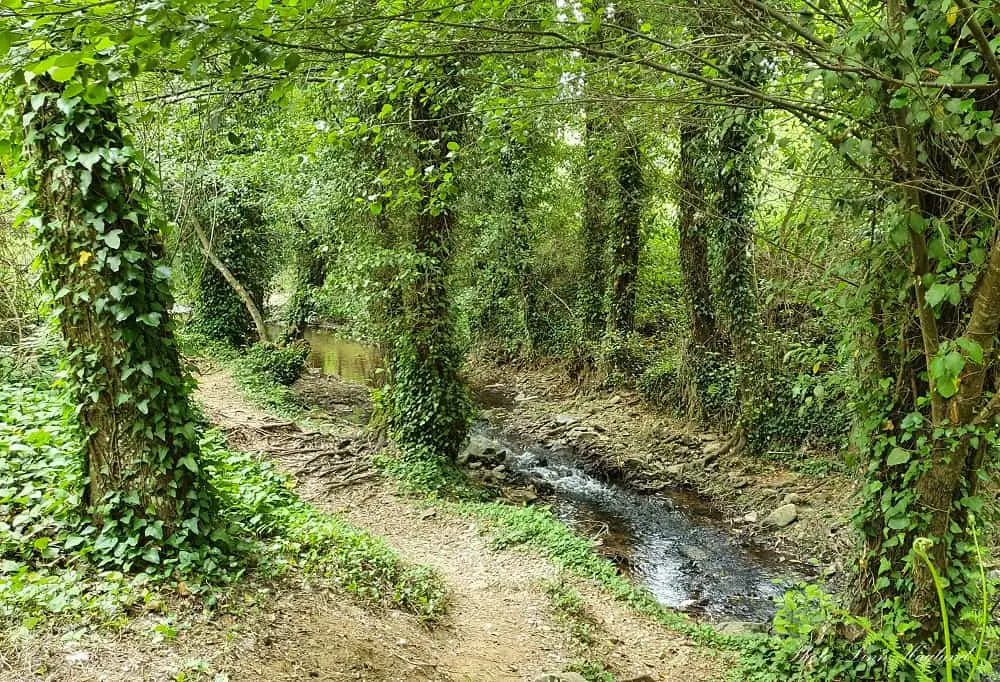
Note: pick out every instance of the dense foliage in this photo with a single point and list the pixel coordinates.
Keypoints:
(778, 217)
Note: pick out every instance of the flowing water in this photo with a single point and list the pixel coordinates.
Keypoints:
(672, 542)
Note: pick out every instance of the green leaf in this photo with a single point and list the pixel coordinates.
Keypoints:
(151, 555)
(189, 463)
(150, 319)
(90, 158)
(954, 363)
(972, 349)
(947, 387)
(897, 456)
(96, 93)
(62, 74)
(74, 541)
(292, 61)
(899, 523)
(937, 293)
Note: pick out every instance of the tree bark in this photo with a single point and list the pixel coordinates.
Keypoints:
(627, 243)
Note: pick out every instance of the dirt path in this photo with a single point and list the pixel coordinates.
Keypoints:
(500, 626)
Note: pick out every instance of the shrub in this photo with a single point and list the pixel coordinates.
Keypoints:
(282, 364)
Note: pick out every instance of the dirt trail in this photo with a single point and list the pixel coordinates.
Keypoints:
(500, 624)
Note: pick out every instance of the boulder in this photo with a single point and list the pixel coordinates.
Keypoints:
(479, 449)
(522, 495)
(565, 419)
(783, 516)
(751, 517)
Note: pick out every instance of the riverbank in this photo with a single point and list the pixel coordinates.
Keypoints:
(796, 506)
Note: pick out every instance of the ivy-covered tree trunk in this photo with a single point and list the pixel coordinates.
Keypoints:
(595, 230)
(737, 180)
(928, 446)
(431, 406)
(627, 238)
(692, 228)
(101, 258)
(626, 227)
(518, 251)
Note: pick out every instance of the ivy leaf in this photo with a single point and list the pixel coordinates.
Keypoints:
(96, 93)
(189, 463)
(947, 387)
(897, 456)
(74, 541)
(63, 74)
(90, 158)
(937, 293)
(954, 363)
(898, 523)
(113, 239)
(973, 349)
(151, 555)
(150, 319)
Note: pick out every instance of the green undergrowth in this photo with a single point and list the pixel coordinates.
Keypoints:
(54, 566)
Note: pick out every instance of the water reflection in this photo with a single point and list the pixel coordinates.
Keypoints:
(350, 360)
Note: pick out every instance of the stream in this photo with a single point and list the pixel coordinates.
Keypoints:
(673, 542)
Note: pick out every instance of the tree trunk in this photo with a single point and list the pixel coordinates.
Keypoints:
(737, 276)
(692, 227)
(431, 405)
(626, 245)
(626, 228)
(595, 221)
(518, 255)
(101, 256)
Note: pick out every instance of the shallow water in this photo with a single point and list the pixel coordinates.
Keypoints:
(674, 543)
(350, 360)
